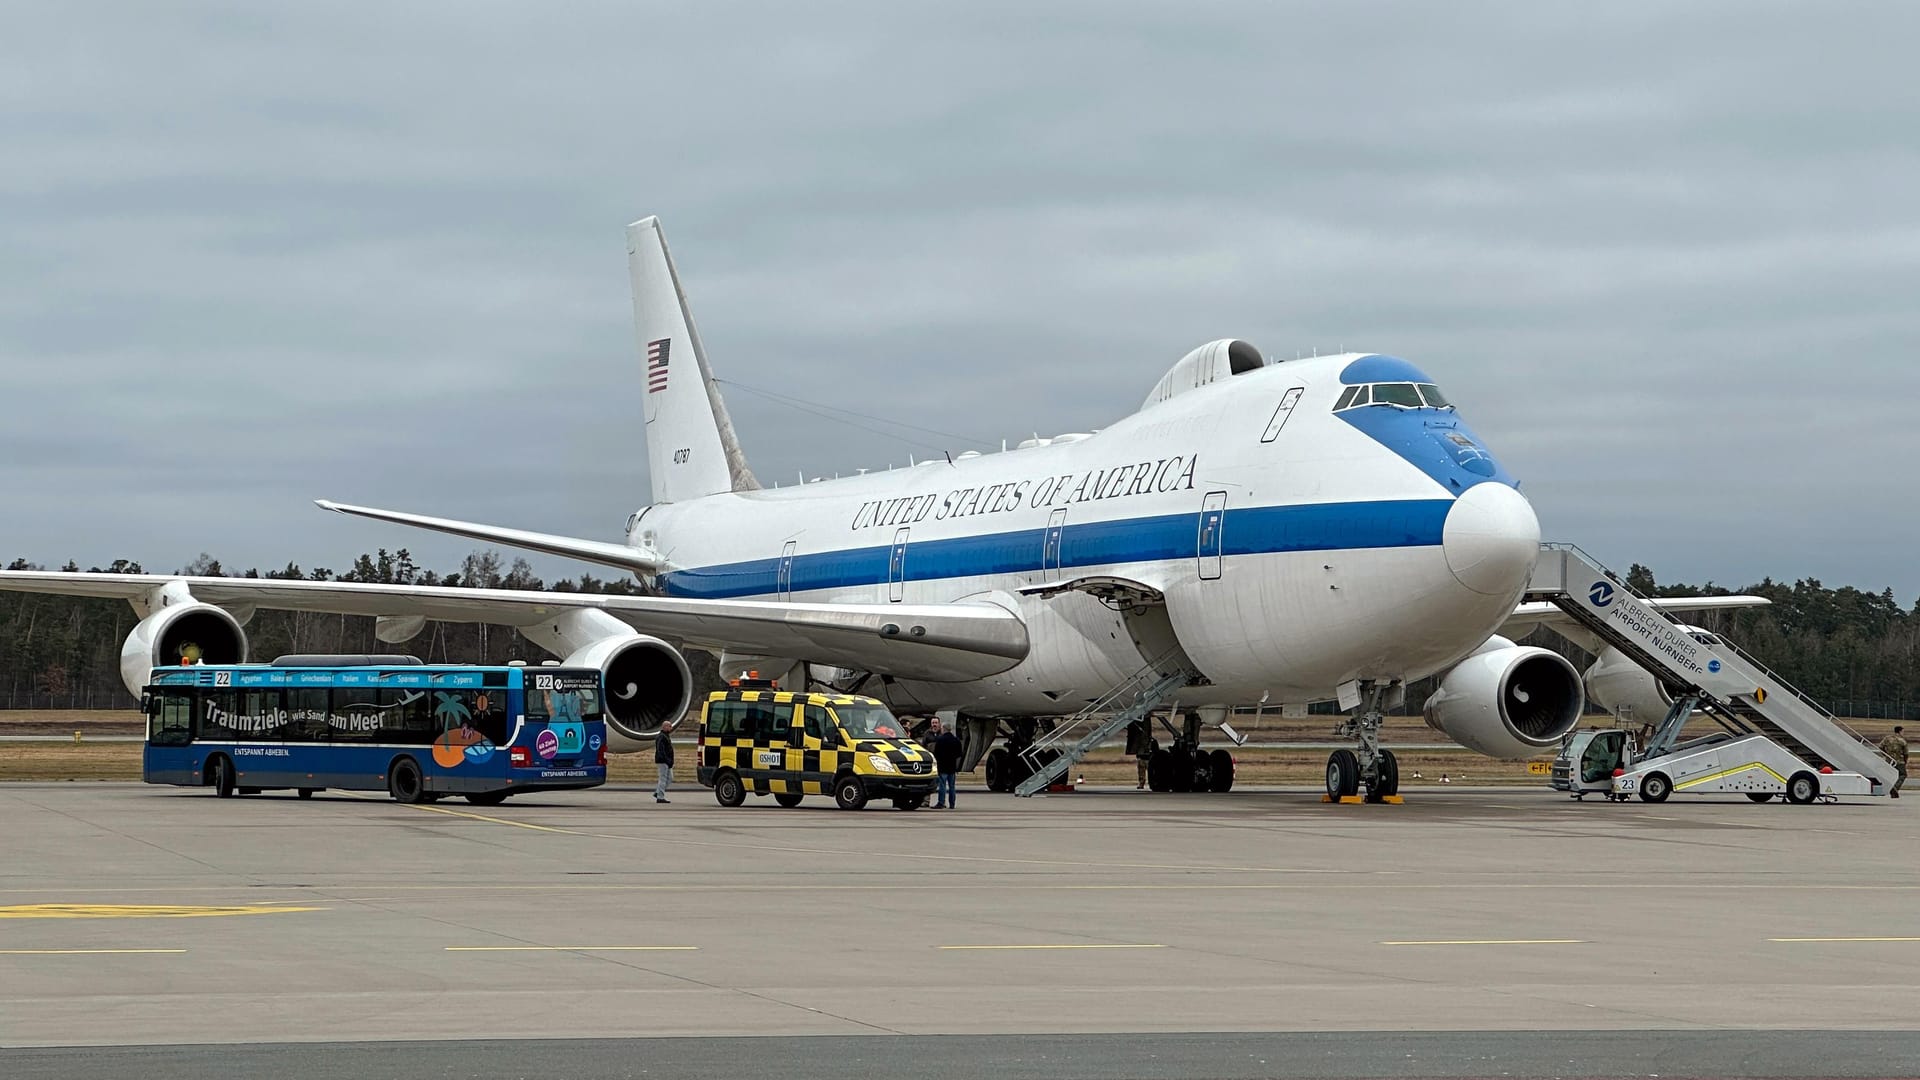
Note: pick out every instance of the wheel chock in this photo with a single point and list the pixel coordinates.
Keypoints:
(1358, 800)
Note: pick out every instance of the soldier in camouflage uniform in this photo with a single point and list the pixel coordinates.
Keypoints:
(1895, 747)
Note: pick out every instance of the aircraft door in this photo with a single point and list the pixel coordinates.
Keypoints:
(784, 586)
(897, 567)
(1050, 545)
(1280, 415)
(1213, 521)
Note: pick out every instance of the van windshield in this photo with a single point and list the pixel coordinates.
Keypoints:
(869, 722)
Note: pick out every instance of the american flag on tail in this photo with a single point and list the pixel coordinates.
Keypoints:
(657, 365)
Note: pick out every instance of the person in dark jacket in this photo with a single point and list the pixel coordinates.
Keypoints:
(946, 761)
(663, 760)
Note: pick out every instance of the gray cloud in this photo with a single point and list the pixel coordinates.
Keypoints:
(1664, 256)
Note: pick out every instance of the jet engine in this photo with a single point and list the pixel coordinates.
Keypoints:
(1507, 700)
(647, 684)
(162, 637)
(1625, 689)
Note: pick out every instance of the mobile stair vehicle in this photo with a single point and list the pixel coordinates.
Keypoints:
(1774, 740)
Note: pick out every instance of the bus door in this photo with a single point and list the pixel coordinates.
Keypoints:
(169, 756)
(897, 567)
(1213, 521)
(816, 732)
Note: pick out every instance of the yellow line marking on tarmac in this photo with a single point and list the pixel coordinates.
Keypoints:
(1844, 938)
(475, 817)
(83, 952)
(1491, 941)
(573, 948)
(996, 947)
(139, 911)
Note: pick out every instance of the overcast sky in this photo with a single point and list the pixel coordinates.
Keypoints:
(1665, 257)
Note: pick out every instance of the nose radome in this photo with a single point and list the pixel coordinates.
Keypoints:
(1491, 539)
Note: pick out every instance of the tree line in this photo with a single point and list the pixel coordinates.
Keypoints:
(1854, 651)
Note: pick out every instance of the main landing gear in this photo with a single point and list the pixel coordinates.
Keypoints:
(1188, 766)
(1368, 766)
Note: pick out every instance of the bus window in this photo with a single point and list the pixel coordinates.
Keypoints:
(406, 716)
(232, 713)
(479, 710)
(355, 715)
(171, 723)
(306, 715)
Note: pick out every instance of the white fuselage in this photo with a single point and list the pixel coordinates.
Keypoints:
(1296, 548)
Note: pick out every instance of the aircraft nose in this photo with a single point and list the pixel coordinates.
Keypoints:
(1491, 539)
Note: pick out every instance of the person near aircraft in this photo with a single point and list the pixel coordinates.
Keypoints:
(663, 761)
(1895, 747)
(946, 761)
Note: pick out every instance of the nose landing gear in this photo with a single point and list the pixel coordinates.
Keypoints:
(1368, 766)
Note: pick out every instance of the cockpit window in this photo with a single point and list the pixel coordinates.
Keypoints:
(1404, 395)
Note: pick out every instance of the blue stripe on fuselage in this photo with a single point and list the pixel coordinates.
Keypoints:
(1255, 530)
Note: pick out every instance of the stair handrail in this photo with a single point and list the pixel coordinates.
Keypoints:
(1722, 638)
(1136, 684)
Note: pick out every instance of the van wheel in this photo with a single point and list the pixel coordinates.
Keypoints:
(788, 799)
(220, 776)
(849, 792)
(1802, 789)
(1655, 787)
(487, 798)
(404, 781)
(729, 790)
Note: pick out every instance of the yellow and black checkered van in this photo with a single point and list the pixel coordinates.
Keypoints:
(766, 741)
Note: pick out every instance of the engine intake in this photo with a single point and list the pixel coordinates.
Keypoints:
(164, 636)
(1507, 701)
(647, 682)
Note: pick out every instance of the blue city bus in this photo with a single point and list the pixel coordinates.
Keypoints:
(419, 732)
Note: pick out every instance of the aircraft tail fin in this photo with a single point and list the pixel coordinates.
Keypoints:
(691, 448)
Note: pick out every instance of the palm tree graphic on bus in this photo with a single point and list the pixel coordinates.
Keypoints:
(458, 740)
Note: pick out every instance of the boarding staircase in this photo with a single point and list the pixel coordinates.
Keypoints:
(1714, 676)
(1051, 755)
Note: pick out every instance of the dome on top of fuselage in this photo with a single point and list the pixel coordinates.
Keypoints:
(1210, 363)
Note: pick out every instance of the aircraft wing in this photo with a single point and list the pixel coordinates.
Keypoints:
(940, 642)
(595, 551)
(1528, 617)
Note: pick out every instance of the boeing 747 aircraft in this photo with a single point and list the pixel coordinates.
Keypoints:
(1291, 532)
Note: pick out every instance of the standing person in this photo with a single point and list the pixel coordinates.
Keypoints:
(1140, 745)
(946, 760)
(1895, 747)
(663, 760)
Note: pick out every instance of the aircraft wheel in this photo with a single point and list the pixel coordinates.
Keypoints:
(1343, 774)
(788, 799)
(997, 760)
(1760, 796)
(1655, 787)
(1802, 788)
(1222, 771)
(1180, 774)
(1389, 778)
(728, 789)
(1159, 767)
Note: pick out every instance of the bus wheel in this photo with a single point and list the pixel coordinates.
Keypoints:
(849, 792)
(307, 792)
(487, 798)
(404, 781)
(220, 776)
(728, 789)
(788, 799)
